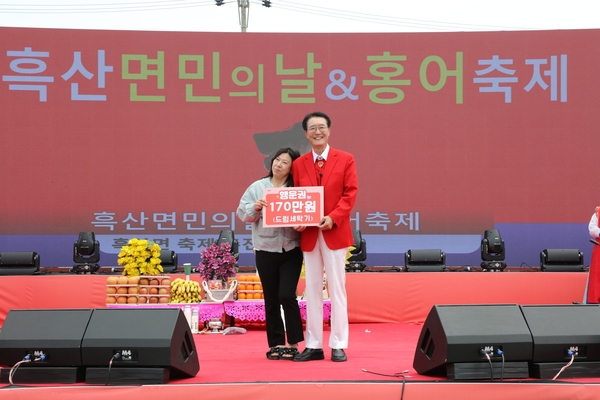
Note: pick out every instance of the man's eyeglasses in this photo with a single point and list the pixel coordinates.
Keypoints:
(320, 128)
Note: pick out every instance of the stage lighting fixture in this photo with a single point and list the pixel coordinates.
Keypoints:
(86, 253)
(561, 260)
(168, 261)
(430, 260)
(229, 237)
(359, 254)
(19, 263)
(492, 251)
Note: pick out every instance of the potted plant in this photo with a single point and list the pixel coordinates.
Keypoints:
(140, 257)
(217, 265)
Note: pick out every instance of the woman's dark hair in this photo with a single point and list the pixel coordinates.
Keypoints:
(293, 153)
(315, 114)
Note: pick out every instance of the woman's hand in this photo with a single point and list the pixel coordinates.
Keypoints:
(259, 204)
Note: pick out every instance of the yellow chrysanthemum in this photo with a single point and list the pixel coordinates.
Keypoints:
(140, 257)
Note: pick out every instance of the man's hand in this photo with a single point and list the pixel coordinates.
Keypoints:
(326, 223)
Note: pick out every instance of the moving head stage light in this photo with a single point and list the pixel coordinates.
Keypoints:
(227, 236)
(168, 261)
(492, 251)
(86, 253)
(359, 254)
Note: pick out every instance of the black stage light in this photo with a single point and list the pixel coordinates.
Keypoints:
(86, 254)
(359, 254)
(493, 251)
(561, 260)
(228, 236)
(429, 260)
(19, 263)
(168, 261)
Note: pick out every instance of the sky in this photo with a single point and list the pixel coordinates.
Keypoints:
(303, 15)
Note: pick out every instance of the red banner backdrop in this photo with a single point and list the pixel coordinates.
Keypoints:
(138, 133)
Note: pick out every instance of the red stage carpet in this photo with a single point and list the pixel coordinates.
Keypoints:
(385, 311)
(383, 348)
(235, 367)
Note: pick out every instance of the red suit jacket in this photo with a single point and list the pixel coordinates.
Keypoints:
(340, 186)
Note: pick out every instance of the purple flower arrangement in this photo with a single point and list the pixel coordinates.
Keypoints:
(218, 263)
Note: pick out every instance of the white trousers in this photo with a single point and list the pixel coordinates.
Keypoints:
(333, 262)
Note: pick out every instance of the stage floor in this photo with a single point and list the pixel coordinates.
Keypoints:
(386, 311)
(235, 367)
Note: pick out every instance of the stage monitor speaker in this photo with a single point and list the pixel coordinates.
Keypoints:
(19, 263)
(428, 260)
(455, 334)
(558, 330)
(140, 338)
(53, 336)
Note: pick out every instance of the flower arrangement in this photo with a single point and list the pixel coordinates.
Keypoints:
(140, 257)
(349, 254)
(217, 262)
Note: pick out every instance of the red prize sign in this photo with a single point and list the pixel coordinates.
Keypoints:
(292, 206)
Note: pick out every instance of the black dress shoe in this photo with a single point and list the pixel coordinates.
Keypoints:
(338, 355)
(309, 355)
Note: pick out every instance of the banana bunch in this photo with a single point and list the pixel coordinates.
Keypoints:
(183, 291)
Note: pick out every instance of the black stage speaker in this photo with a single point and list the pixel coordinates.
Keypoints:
(19, 263)
(137, 339)
(455, 335)
(53, 334)
(50, 339)
(558, 330)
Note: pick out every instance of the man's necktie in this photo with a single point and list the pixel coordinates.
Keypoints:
(320, 164)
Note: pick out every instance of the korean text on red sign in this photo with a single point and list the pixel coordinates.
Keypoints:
(292, 206)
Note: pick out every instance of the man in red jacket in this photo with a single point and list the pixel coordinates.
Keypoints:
(325, 246)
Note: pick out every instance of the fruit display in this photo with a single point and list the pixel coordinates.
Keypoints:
(249, 287)
(183, 291)
(154, 289)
